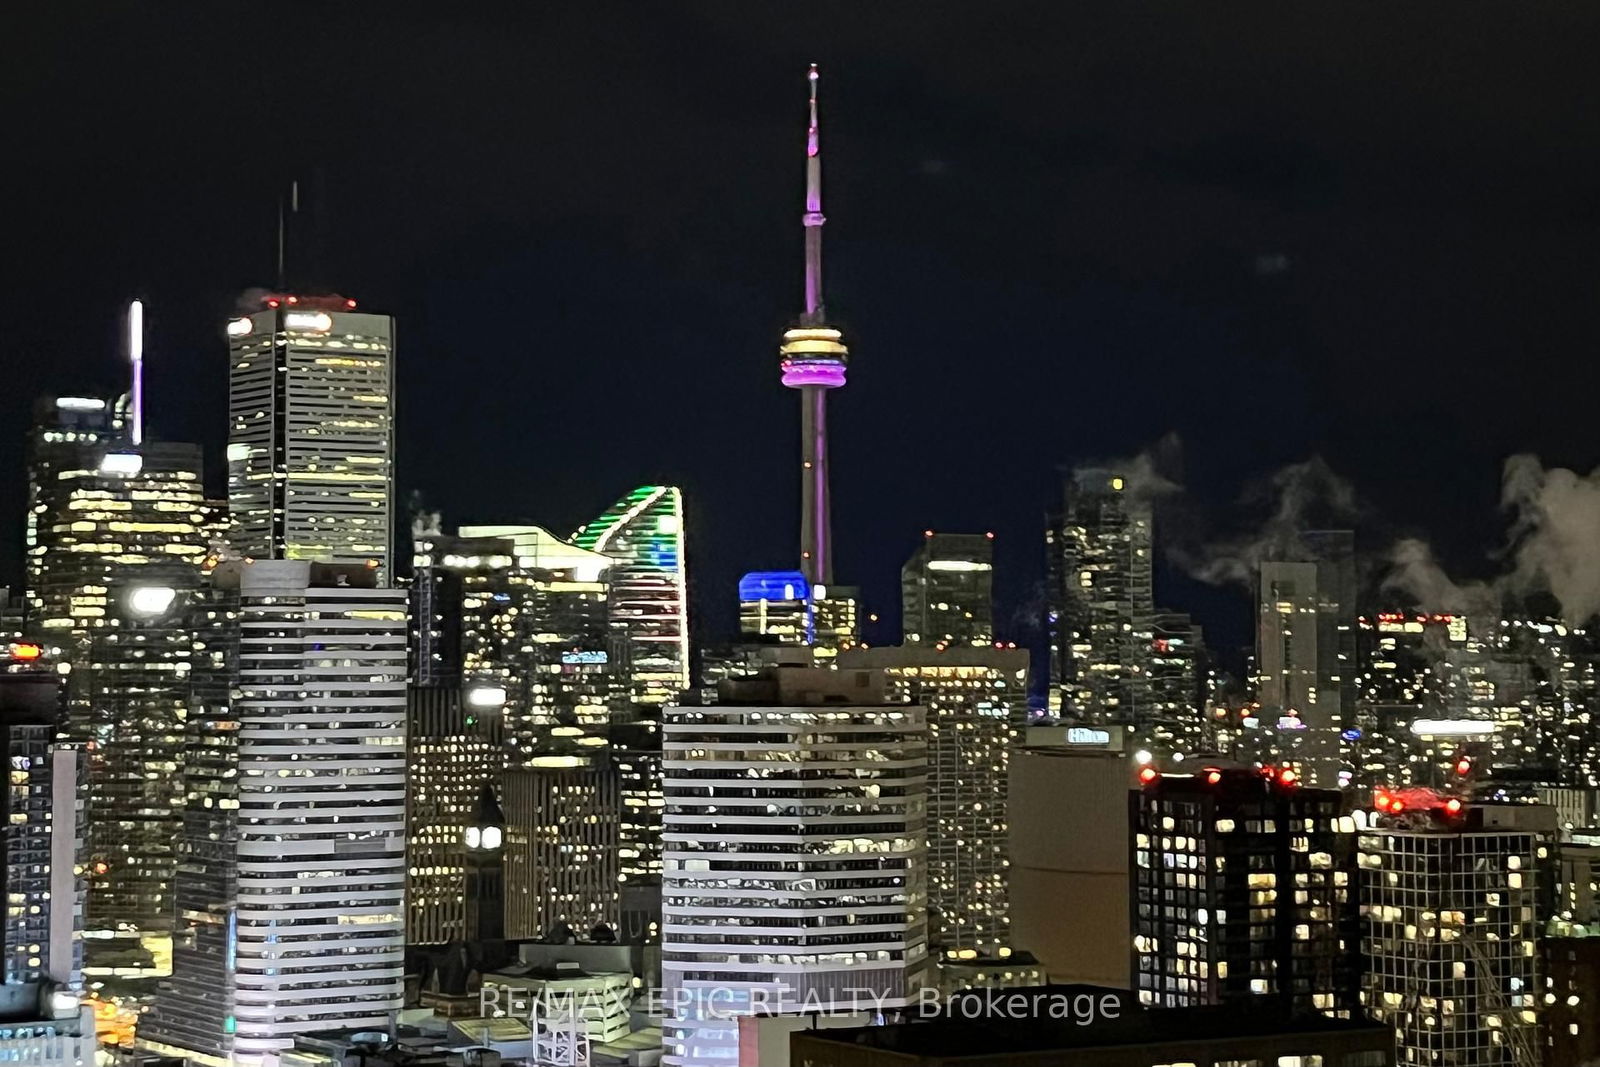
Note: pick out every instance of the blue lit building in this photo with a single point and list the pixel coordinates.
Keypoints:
(775, 607)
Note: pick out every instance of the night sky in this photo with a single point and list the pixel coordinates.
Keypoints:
(1057, 232)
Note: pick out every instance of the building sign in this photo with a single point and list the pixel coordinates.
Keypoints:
(1084, 735)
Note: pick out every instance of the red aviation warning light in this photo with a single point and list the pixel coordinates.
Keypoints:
(1453, 806)
(1148, 774)
(25, 651)
(1213, 776)
(1464, 766)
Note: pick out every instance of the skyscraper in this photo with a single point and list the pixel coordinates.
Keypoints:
(947, 590)
(42, 1020)
(775, 607)
(192, 1011)
(1451, 902)
(1177, 669)
(311, 424)
(294, 868)
(527, 676)
(648, 588)
(643, 534)
(1244, 890)
(1101, 602)
(320, 860)
(115, 539)
(794, 855)
(454, 750)
(41, 838)
(1397, 685)
(1306, 648)
(562, 859)
(536, 645)
(974, 700)
(1068, 812)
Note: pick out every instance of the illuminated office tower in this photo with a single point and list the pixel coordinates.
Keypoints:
(836, 616)
(643, 534)
(781, 607)
(41, 836)
(322, 662)
(1577, 895)
(511, 637)
(775, 607)
(1289, 684)
(115, 540)
(1450, 899)
(1553, 727)
(191, 1009)
(1402, 677)
(636, 754)
(43, 1022)
(536, 642)
(975, 698)
(1306, 648)
(561, 862)
(69, 442)
(1570, 953)
(1571, 971)
(310, 439)
(647, 584)
(947, 590)
(314, 935)
(454, 749)
(1244, 891)
(794, 848)
(1101, 603)
(1395, 680)
(1178, 667)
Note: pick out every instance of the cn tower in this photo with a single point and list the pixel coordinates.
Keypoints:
(813, 361)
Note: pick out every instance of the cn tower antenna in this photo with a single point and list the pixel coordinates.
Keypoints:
(814, 313)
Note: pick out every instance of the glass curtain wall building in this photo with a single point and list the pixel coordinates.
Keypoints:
(311, 432)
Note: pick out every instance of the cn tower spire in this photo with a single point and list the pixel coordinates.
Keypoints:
(813, 359)
(814, 315)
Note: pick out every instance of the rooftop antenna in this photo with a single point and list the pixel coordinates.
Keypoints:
(283, 229)
(136, 359)
(814, 315)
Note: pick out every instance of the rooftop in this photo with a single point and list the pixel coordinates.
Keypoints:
(1037, 1031)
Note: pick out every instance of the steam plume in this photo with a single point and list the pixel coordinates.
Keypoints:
(1302, 496)
(1555, 534)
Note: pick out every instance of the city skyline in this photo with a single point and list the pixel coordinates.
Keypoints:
(1165, 335)
(400, 653)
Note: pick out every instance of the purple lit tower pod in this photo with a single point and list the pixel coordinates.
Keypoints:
(813, 361)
